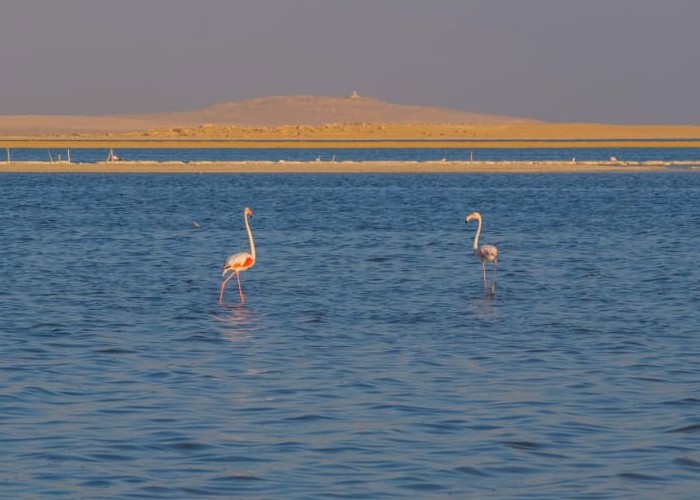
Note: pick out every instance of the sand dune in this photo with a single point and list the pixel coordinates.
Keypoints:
(321, 110)
(269, 112)
(294, 118)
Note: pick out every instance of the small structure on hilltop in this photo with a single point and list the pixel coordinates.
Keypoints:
(353, 95)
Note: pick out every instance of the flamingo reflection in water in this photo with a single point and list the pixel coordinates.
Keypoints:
(486, 253)
(238, 324)
(239, 262)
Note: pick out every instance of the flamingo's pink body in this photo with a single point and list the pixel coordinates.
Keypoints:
(239, 262)
(486, 253)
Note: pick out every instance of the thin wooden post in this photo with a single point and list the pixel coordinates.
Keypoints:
(7, 152)
(68, 153)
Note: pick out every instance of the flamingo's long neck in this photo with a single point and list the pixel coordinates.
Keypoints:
(250, 236)
(478, 232)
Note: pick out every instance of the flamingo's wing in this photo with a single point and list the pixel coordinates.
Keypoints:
(488, 252)
(238, 262)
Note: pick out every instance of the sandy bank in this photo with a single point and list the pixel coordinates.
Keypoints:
(62, 132)
(335, 144)
(345, 167)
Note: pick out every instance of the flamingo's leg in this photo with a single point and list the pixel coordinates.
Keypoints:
(493, 282)
(240, 289)
(223, 285)
(483, 269)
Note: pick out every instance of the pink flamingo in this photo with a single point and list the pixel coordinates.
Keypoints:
(239, 262)
(487, 253)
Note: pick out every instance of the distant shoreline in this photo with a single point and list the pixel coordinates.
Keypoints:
(282, 167)
(346, 143)
(114, 132)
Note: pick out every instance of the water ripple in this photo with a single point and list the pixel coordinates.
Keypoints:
(366, 362)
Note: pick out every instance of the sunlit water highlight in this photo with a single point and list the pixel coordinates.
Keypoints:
(367, 361)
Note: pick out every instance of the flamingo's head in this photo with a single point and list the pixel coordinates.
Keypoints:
(472, 216)
(247, 212)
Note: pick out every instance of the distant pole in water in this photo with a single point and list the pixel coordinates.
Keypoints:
(486, 253)
(471, 156)
(239, 262)
(7, 153)
(50, 157)
(68, 153)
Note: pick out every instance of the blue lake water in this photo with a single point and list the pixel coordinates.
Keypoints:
(92, 155)
(367, 361)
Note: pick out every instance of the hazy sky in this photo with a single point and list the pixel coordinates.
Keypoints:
(614, 61)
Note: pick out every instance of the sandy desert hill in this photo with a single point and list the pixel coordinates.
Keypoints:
(353, 117)
(321, 110)
(263, 112)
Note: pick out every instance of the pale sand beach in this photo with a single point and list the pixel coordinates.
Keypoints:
(318, 167)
